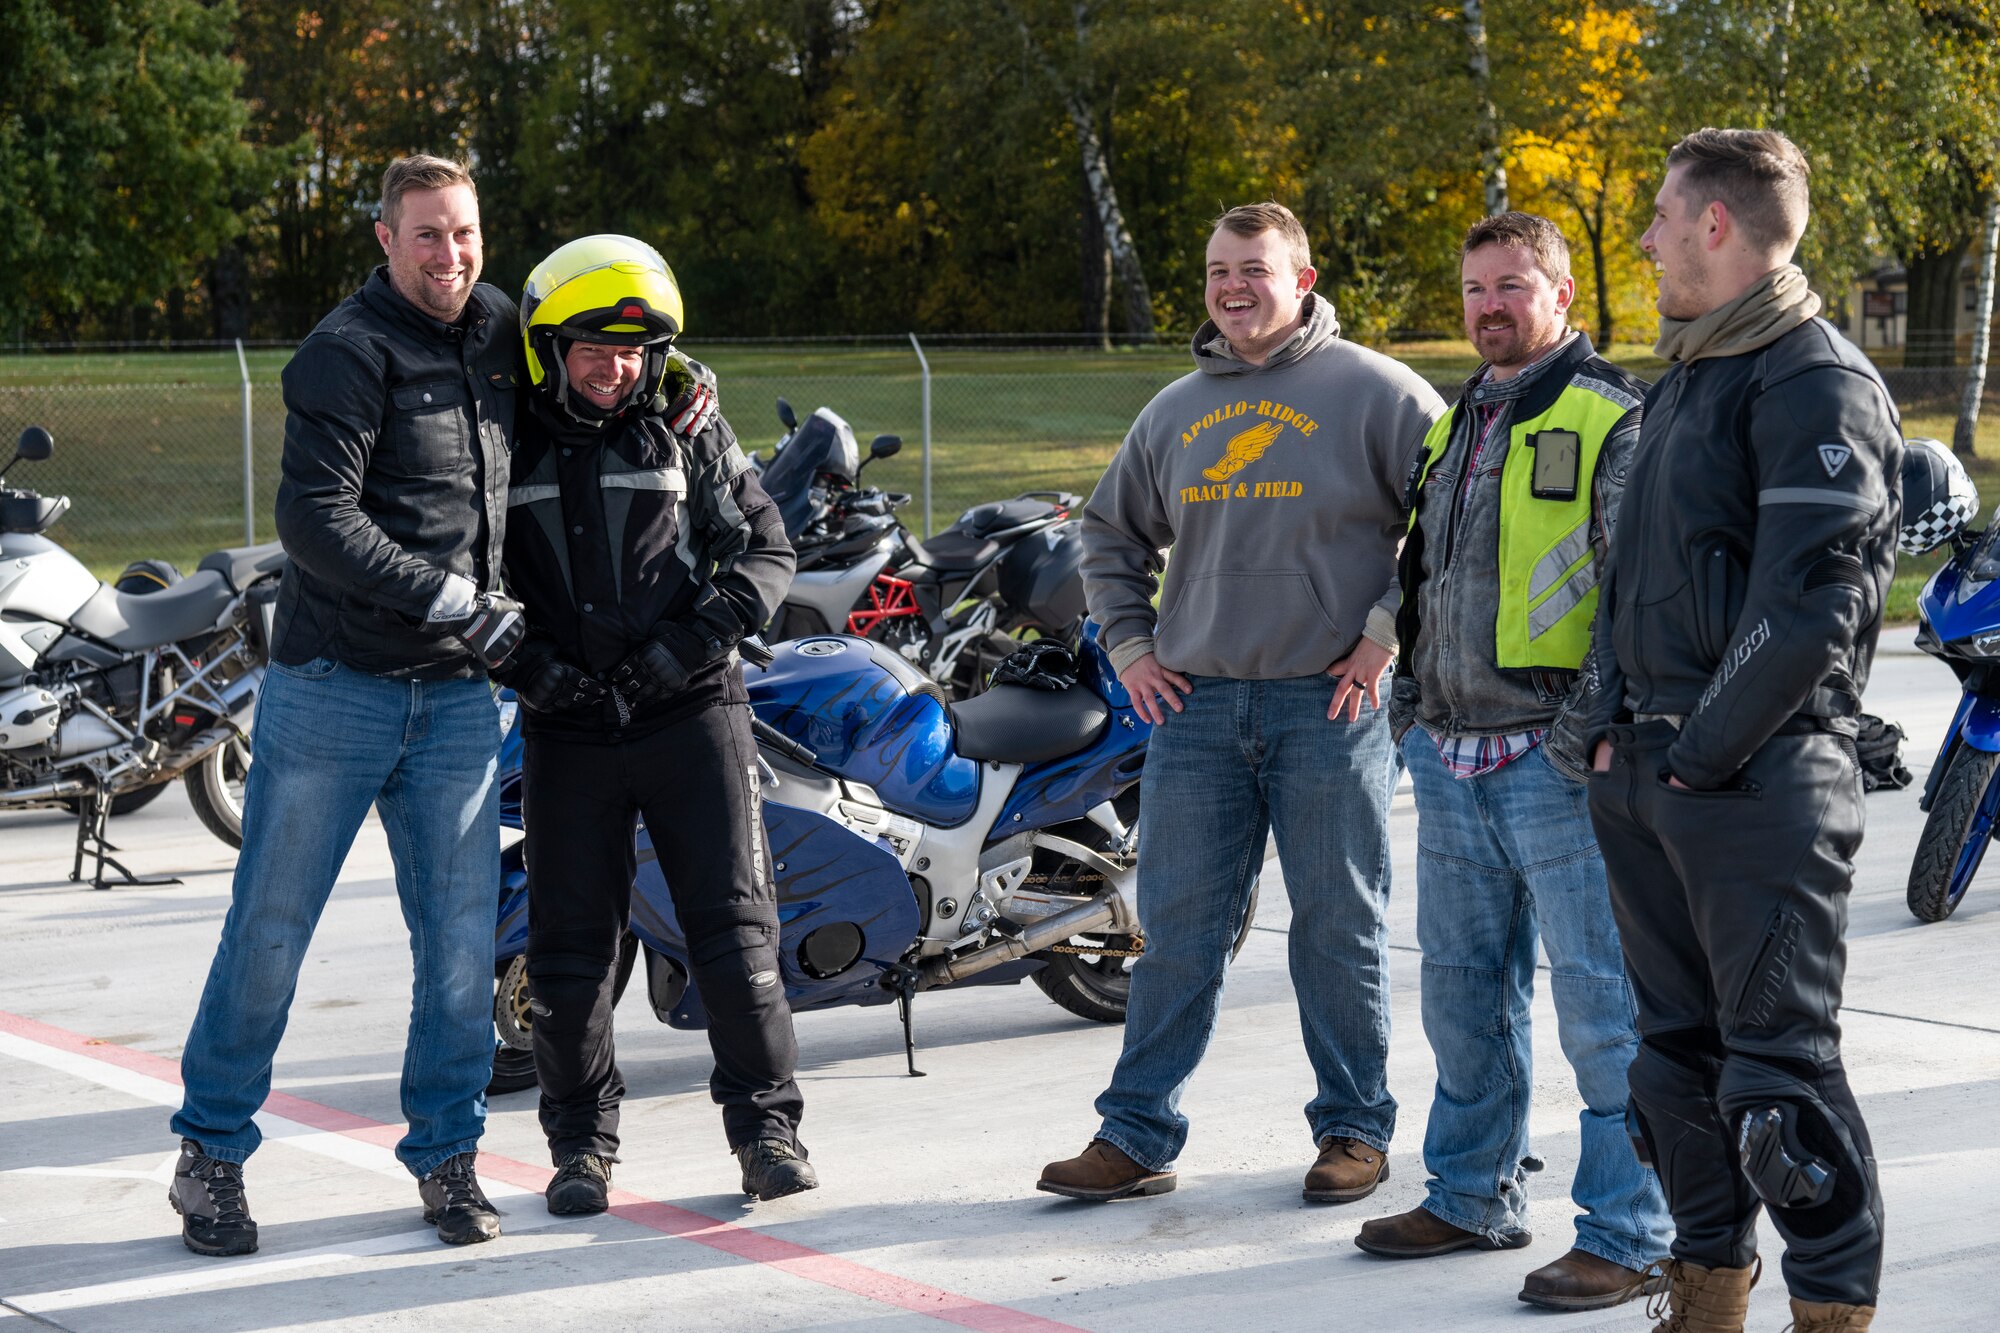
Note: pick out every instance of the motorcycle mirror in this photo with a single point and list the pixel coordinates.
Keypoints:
(786, 415)
(885, 446)
(34, 445)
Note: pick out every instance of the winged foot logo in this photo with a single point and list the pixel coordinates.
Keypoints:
(1244, 448)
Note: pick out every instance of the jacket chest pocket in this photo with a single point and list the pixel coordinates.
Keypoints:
(429, 427)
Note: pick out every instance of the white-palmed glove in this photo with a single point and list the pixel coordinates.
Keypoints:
(695, 410)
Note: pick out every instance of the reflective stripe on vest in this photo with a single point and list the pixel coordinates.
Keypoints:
(1548, 578)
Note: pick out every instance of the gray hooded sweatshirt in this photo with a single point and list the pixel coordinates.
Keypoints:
(1280, 488)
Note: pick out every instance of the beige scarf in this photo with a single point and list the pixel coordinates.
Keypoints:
(1776, 304)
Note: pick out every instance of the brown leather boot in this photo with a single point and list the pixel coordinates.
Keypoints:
(1815, 1317)
(1421, 1234)
(1581, 1280)
(1102, 1173)
(1703, 1300)
(1347, 1169)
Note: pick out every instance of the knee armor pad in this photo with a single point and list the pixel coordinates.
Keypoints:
(567, 984)
(745, 952)
(1797, 1149)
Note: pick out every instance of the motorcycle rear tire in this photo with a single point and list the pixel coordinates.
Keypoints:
(1955, 834)
(215, 790)
(1089, 987)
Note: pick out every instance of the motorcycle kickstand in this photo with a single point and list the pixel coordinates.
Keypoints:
(903, 983)
(93, 813)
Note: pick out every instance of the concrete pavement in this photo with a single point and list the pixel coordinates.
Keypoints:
(928, 1213)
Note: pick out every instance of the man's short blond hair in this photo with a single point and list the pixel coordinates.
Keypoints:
(420, 171)
(1758, 175)
(1527, 231)
(1270, 215)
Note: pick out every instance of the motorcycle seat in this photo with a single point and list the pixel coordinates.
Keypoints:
(241, 566)
(954, 551)
(132, 622)
(1012, 724)
(1000, 515)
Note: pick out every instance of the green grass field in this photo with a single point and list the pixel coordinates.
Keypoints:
(148, 445)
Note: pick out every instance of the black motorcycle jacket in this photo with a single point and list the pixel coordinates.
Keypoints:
(397, 431)
(620, 529)
(1753, 553)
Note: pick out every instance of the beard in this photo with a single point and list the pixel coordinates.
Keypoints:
(1502, 347)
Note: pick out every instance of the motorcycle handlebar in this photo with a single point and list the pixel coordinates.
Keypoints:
(767, 734)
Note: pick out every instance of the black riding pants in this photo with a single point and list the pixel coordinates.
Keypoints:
(695, 781)
(1732, 910)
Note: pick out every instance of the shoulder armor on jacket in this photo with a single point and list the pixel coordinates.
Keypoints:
(1611, 381)
(1811, 346)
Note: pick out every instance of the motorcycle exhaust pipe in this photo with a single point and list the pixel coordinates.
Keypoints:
(1082, 919)
(60, 790)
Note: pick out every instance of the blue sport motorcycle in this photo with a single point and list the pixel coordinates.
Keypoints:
(916, 843)
(1960, 609)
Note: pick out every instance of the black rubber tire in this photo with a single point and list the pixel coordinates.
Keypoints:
(514, 1070)
(1945, 832)
(1098, 988)
(125, 802)
(226, 764)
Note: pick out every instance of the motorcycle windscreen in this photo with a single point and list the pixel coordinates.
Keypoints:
(824, 443)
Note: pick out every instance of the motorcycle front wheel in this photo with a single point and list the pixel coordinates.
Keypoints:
(215, 789)
(1955, 835)
(1098, 986)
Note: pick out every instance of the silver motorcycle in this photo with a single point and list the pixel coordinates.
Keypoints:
(105, 695)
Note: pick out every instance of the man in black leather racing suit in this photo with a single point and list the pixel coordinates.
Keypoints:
(1732, 644)
(642, 555)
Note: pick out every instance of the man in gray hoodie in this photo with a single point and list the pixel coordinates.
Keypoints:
(1276, 473)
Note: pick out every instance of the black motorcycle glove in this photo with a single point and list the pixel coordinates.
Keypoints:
(662, 666)
(494, 629)
(551, 685)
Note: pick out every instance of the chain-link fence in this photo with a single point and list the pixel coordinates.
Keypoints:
(151, 451)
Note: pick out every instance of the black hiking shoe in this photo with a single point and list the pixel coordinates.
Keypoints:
(773, 1168)
(208, 1194)
(453, 1200)
(582, 1184)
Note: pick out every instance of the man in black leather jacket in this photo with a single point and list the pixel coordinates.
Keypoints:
(642, 558)
(1733, 641)
(399, 416)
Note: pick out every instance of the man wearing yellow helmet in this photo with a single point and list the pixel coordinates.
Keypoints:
(642, 556)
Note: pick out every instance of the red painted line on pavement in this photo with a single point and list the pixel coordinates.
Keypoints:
(668, 1219)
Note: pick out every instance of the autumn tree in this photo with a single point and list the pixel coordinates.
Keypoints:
(121, 155)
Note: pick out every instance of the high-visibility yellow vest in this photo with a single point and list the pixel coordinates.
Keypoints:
(1548, 581)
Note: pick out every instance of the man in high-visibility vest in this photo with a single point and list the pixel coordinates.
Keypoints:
(1511, 513)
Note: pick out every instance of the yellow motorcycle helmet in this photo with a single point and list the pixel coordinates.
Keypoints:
(599, 289)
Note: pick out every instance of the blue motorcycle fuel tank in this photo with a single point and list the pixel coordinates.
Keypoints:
(871, 717)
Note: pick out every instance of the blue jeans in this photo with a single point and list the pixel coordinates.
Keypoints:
(1501, 857)
(1247, 757)
(328, 743)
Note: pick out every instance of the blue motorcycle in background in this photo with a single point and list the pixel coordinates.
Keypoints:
(916, 843)
(1960, 613)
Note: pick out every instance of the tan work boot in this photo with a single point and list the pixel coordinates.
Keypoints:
(1347, 1169)
(1101, 1173)
(1817, 1317)
(1703, 1300)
